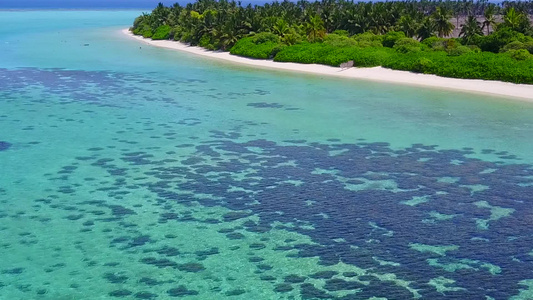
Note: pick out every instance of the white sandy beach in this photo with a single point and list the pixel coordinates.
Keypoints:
(506, 89)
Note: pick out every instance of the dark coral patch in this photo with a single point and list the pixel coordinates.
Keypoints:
(41, 292)
(294, 279)
(257, 246)
(283, 288)
(74, 217)
(235, 292)
(267, 278)
(309, 291)
(265, 105)
(235, 236)
(160, 263)
(115, 278)
(145, 295)
(14, 271)
(120, 293)
(120, 211)
(264, 267)
(150, 281)
(339, 285)
(202, 254)
(235, 215)
(169, 251)
(191, 267)
(392, 291)
(353, 274)
(323, 275)
(4, 145)
(139, 241)
(256, 259)
(181, 291)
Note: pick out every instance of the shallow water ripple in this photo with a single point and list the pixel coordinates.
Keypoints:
(112, 190)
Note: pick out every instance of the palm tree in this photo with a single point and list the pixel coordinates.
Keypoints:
(470, 30)
(355, 22)
(511, 18)
(327, 13)
(173, 16)
(159, 16)
(281, 27)
(228, 38)
(408, 25)
(441, 17)
(490, 19)
(426, 29)
(315, 29)
(516, 20)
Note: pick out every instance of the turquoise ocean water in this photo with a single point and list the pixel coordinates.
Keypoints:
(133, 172)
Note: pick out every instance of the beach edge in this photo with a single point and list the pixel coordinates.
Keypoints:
(523, 92)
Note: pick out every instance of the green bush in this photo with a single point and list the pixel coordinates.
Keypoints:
(515, 45)
(372, 56)
(497, 40)
(161, 33)
(433, 41)
(529, 46)
(341, 32)
(147, 33)
(249, 47)
(175, 33)
(520, 54)
(406, 45)
(422, 65)
(459, 61)
(322, 53)
(391, 37)
(204, 41)
(484, 65)
(138, 21)
(459, 50)
(441, 44)
(474, 48)
(265, 37)
(305, 52)
(136, 30)
(276, 50)
(143, 30)
(336, 40)
(186, 37)
(368, 39)
(291, 38)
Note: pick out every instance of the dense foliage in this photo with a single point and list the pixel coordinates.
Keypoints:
(492, 41)
(262, 45)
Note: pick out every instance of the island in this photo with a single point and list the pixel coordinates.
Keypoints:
(453, 39)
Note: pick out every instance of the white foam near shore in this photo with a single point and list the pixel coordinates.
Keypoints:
(498, 88)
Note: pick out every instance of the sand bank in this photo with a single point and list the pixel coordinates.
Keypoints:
(498, 88)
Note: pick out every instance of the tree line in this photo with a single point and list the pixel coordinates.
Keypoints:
(219, 24)
(493, 40)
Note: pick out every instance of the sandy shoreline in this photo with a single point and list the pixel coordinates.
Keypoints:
(497, 88)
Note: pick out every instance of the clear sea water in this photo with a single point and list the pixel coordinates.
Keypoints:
(133, 172)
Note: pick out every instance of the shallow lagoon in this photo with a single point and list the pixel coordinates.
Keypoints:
(140, 173)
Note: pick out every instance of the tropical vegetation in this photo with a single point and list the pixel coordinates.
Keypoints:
(463, 39)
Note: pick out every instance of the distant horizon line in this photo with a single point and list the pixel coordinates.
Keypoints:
(73, 8)
(102, 6)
